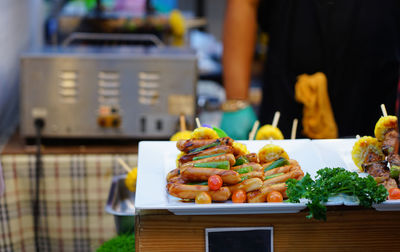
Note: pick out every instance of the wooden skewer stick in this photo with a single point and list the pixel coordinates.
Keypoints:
(254, 130)
(276, 119)
(182, 122)
(198, 122)
(294, 129)
(383, 108)
(124, 165)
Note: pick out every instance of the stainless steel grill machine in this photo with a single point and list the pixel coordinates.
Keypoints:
(107, 92)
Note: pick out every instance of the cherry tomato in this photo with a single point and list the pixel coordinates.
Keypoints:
(214, 182)
(203, 198)
(239, 196)
(394, 193)
(274, 196)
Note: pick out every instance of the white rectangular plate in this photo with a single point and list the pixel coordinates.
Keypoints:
(157, 158)
(337, 153)
(388, 205)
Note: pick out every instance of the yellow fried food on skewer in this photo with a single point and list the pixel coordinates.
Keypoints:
(366, 149)
(271, 152)
(239, 149)
(204, 133)
(130, 180)
(269, 132)
(181, 135)
(383, 125)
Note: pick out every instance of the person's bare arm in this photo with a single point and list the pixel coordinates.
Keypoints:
(239, 39)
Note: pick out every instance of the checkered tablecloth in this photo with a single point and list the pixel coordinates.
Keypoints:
(74, 190)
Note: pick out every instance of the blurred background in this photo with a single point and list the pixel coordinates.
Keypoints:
(81, 83)
(59, 56)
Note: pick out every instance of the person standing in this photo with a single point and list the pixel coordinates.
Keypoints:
(355, 43)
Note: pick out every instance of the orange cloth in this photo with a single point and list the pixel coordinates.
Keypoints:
(318, 120)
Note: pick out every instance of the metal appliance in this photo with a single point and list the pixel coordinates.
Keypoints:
(107, 92)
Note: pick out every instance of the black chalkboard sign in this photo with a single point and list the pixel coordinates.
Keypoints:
(254, 239)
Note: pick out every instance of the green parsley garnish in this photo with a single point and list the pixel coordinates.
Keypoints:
(330, 182)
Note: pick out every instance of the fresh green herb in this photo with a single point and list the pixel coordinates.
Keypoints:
(277, 163)
(241, 160)
(330, 182)
(198, 183)
(273, 175)
(244, 169)
(207, 156)
(218, 164)
(220, 132)
(244, 178)
(201, 148)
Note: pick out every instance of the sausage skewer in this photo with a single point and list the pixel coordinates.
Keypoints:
(202, 174)
(190, 191)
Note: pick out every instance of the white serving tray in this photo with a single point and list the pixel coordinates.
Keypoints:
(157, 158)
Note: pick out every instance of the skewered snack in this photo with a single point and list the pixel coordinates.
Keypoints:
(367, 149)
(204, 133)
(385, 124)
(379, 156)
(195, 174)
(130, 180)
(194, 145)
(181, 135)
(206, 159)
(239, 149)
(185, 191)
(390, 143)
(269, 132)
(271, 152)
(220, 149)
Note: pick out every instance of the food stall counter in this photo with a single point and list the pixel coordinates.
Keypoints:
(347, 229)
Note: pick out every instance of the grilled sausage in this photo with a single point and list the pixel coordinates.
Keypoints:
(213, 150)
(177, 180)
(190, 191)
(284, 177)
(261, 194)
(172, 173)
(252, 157)
(190, 144)
(254, 166)
(253, 174)
(247, 185)
(291, 162)
(282, 169)
(223, 157)
(202, 174)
